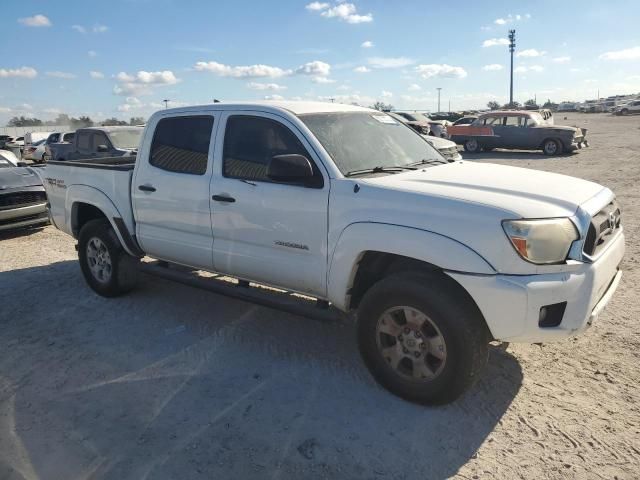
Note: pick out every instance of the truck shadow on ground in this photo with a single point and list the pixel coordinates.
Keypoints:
(175, 382)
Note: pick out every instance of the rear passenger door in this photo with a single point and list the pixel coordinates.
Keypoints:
(274, 233)
(170, 189)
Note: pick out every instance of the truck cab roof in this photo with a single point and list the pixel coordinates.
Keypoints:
(295, 107)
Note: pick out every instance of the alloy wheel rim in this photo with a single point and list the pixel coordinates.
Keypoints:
(99, 260)
(411, 343)
(472, 145)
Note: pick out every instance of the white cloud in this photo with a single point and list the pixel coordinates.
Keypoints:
(390, 62)
(531, 52)
(493, 42)
(367, 44)
(143, 82)
(362, 69)
(525, 69)
(346, 12)
(444, 71)
(322, 80)
(249, 71)
(99, 28)
(510, 19)
(562, 59)
(22, 72)
(632, 53)
(35, 21)
(266, 86)
(386, 94)
(92, 53)
(315, 68)
(414, 87)
(500, 21)
(79, 28)
(58, 74)
(343, 88)
(273, 97)
(493, 67)
(95, 74)
(317, 6)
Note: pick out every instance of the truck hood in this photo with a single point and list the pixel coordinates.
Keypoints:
(519, 192)
(18, 177)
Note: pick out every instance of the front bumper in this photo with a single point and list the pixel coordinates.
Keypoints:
(23, 217)
(511, 303)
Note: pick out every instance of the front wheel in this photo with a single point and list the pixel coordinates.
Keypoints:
(420, 339)
(471, 146)
(551, 147)
(107, 268)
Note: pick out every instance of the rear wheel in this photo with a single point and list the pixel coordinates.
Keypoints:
(471, 146)
(551, 147)
(624, 111)
(420, 339)
(107, 268)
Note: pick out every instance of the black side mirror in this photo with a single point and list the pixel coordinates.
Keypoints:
(103, 148)
(291, 168)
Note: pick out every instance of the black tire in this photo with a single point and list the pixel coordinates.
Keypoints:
(459, 323)
(472, 146)
(551, 147)
(122, 272)
(624, 111)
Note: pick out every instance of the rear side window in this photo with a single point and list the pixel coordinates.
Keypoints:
(181, 144)
(251, 142)
(68, 137)
(84, 141)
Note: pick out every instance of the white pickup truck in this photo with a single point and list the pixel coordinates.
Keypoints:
(435, 258)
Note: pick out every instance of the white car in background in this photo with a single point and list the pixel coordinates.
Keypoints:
(35, 152)
(628, 108)
(447, 148)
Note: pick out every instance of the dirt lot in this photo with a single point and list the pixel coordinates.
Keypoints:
(175, 382)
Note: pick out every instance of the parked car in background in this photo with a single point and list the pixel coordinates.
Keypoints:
(447, 148)
(35, 152)
(23, 202)
(515, 129)
(445, 116)
(57, 138)
(98, 142)
(628, 108)
(421, 126)
(32, 137)
(465, 121)
(341, 203)
(4, 139)
(437, 128)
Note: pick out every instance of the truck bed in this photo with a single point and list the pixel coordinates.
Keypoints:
(104, 163)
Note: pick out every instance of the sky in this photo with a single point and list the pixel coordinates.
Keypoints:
(122, 58)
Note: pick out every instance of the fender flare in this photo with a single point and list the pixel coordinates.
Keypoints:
(77, 194)
(358, 238)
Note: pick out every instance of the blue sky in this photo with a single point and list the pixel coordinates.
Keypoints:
(123, 57)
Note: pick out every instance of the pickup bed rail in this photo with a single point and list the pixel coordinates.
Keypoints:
(105, 163)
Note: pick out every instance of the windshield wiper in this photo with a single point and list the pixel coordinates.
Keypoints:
(391, 169)
(431, 161)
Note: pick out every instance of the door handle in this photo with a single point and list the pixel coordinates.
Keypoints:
(146, 188)
(223, 198)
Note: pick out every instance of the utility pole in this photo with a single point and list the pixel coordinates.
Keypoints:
(449, 105)
(439, 88)
(166, 103)
(512, 47)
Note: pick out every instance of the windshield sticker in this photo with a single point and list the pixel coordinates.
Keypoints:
(385, 119)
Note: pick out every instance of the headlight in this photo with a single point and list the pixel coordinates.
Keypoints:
(541, 241)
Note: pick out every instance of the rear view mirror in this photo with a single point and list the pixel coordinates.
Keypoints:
(292, 168)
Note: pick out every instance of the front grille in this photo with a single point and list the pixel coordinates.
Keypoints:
(21, 199)
(602, 228)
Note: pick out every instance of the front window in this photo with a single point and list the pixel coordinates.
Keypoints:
(364, 140)
(129, 138)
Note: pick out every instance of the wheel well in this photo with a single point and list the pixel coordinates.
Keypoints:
(373, 266)
(83, 213)
(553, 138)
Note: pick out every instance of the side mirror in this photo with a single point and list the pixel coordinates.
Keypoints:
(291, 168)
(23, 164)
(103, 148)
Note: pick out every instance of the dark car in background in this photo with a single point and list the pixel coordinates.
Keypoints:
(23, 200)
(97, 142)
(518, 129)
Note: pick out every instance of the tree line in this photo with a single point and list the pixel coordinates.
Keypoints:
(74, 123)
(531, 103)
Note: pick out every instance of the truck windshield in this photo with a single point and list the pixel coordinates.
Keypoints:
(366, 140)
(129, 138)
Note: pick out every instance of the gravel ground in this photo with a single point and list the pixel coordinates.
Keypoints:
(172, 382)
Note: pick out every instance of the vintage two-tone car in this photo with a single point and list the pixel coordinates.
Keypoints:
(515, 129)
